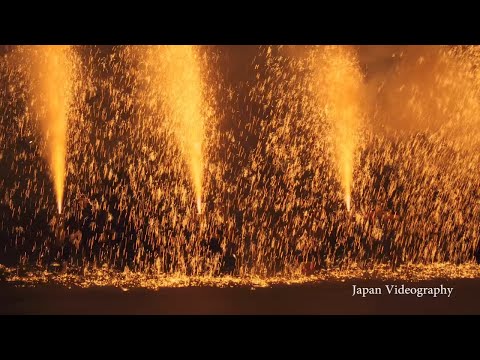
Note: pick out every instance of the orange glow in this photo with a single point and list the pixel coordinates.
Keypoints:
(181, 85)
(340, 92)
(52, 75)
(270, 162)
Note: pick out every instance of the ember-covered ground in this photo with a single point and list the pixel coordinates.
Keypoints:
(328, 297)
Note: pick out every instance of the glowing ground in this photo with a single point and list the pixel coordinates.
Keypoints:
(326, 297)
(126, 280)
(103, 291)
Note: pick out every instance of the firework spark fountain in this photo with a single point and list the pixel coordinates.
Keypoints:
(178, 77)
(146, 149)
(52, 75)
(338, 84)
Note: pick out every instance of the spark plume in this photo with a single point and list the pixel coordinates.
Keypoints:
(339, 89)
(52, 75)
(180, 80)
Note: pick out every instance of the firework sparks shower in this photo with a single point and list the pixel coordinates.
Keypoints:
(339, 90)
(52, 74)
(269, 143)
(181, 84)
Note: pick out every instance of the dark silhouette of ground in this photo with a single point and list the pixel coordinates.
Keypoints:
(320, 298)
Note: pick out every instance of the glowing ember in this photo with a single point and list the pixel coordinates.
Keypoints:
(127, 279)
